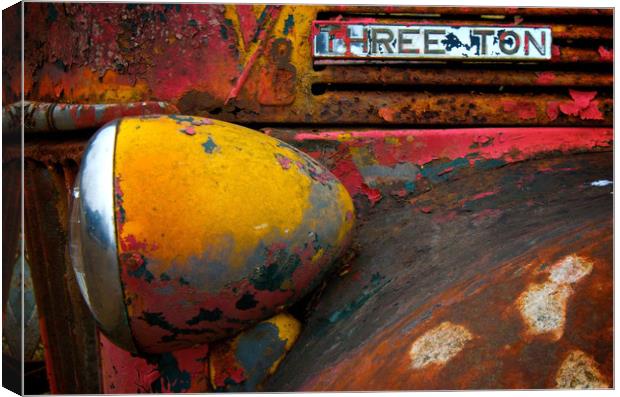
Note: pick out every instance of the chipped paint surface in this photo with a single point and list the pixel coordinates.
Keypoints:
(439, 345)
(90, 54)
(244, 362)
(107, 53)
(183, 371)
(190, 241)
(447, 266)
(413, 160)
(579, 371)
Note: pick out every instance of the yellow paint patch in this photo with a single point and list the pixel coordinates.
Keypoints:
(289, 329)
(391, 140)
(207, 192)
(543, 306)
(579, 371)
(345, 137)
(362, 156)
(439, 345)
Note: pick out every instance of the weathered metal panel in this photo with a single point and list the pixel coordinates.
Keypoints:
(157, 53)
(472, 78)
(374, 164)
(502, 279)
(481, 248)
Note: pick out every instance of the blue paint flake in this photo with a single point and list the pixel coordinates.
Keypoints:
(209, 146)
(289, 24)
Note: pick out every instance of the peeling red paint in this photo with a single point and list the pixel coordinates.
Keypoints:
(553, 110)
(247, 22)
(149, 377)
(606, 55)
(421, 147)
(582, 105)
(374, 195)
(592, 112)
(272, 13)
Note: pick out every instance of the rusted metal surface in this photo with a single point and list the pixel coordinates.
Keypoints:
(368, 75)
(11, 53)
(114, 53)
(488, 281)
(67, 328)
(374, 164)
(11, 220)
(429, 109)
(474, 221)
(52, 117)
(455, 11)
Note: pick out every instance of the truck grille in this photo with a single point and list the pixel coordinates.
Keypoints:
(582, 60)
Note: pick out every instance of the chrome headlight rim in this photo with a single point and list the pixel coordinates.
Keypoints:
(92, 238)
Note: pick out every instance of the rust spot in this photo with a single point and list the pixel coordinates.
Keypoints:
(439, 345)
(524, 110)
(387, 114)
(579, 371)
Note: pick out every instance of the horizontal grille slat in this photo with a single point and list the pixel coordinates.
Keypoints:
(460, 77)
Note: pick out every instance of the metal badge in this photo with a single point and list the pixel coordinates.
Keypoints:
(428, 42)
